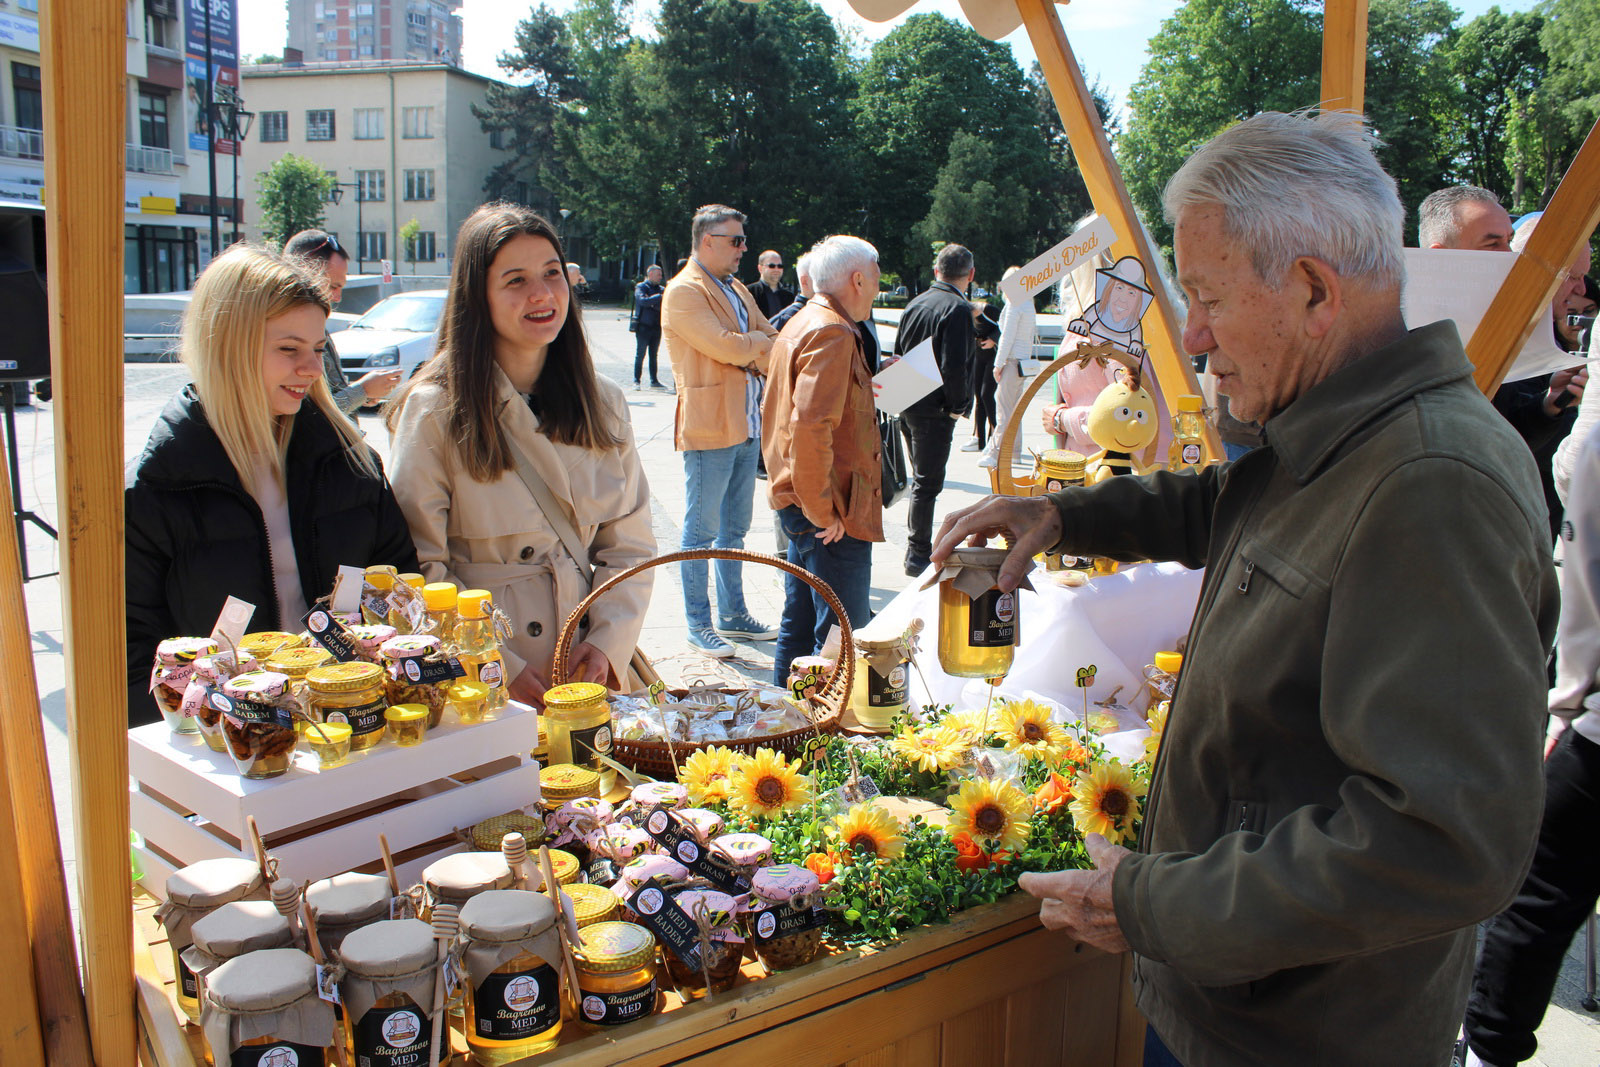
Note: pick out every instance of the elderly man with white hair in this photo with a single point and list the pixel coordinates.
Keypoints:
(820, 439)
(1350, 774)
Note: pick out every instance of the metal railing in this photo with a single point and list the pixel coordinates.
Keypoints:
(19, 142)
(148, 160)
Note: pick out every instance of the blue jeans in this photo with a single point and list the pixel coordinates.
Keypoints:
(721, 485)
(1156, 1053)
(845, 565)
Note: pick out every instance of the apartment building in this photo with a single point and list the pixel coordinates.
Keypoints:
(347, 30)
(399, 138)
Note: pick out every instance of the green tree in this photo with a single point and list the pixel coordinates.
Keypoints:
(1571, 38)
(1410, 93)
(1492, 57)
(1213, 63)
(1066, 198)
(408, 241)
(291, 194)
(976, 204)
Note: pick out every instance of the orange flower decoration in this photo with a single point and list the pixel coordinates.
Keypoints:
(821, 865)
(969, 857)
(1076, 753)
(1056, 792)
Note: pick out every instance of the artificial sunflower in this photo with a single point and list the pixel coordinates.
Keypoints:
(1055, 792)
(1158, 728)
(1026, 728)
(937, 748)
(1107, 801)
(708, 773)
(865, 828)
(768, 785)
(968, 725)
(995, 814)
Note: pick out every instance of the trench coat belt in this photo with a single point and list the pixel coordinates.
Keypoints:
(570, 586)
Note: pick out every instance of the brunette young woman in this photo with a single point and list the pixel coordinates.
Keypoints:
(512, 398)
(252, 484)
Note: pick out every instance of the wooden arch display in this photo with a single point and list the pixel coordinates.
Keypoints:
(56, 1012)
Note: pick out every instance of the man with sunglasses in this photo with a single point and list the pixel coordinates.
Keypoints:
(769, 291)
(719, 343)
(321, 252)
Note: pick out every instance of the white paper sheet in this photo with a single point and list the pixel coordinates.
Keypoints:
(1449, 283)
(908, 379)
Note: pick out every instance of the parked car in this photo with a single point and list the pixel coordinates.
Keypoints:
(398, 332)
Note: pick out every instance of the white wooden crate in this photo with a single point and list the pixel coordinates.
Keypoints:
(189, 803)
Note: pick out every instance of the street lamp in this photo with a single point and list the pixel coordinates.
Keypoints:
(338, 198)
(228, 110)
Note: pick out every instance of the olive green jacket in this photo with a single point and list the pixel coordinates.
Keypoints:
(1351, 775)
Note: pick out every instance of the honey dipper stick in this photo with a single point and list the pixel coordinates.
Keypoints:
(569, 966)
(446, 921)
(388, 865)
(314, 946)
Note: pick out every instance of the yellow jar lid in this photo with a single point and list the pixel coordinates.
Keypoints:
(568, 781)
(415, 581)
(328, 733)
(565, 865)
(614, 947)
(465, 692)
(1168, 661)
(265, 642)
(474, 603)
(297, 662)
(1190, 403)
(1063, 460)
(590, 903)
(344, 677)
(439, 596)
(406, 712)
(574, 695)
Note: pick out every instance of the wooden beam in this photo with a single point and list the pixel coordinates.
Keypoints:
(21, 1036)
(1344, 55)
(84, 53)
(1087, 135)
(1523, 302)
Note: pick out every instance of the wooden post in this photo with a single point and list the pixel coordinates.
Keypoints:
(1344, 55)
(84, 53)
(1523, 302)
(21, 1040)
(1110, 196)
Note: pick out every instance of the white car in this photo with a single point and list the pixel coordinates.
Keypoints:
(400, 331)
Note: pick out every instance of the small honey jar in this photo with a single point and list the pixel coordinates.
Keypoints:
(561, 782)
(408, 724)
(262, 1008)
(263, 643)
(467, 700)
(591, 903)
(351, 693)
(330, 742)
(616, 974)
(878, 692)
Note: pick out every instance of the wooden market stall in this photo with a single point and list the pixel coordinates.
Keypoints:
(912, 1002)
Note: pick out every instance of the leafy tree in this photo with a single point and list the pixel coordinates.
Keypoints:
(975, 204)
(1571, 38)
(1066, 198)
(1409, 92)
(1492, 57)
(1213, 63)
(291, 194)
(408, 241)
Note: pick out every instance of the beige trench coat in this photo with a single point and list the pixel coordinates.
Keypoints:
(492, 535)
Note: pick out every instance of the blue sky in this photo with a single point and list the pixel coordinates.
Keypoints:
(1108, 35)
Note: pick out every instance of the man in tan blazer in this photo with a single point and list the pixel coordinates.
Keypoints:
(719, 343)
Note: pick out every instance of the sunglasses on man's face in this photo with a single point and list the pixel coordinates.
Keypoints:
(737, 240)
(772, 266)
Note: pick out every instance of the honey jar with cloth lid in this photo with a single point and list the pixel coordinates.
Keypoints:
(457, 878)
(512, 951)
(232, 930)
(388, 992)
(193, 892)
(262, 1010)
(978, 624)
(347, 902)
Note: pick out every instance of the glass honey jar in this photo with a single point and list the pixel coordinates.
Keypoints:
(209, 673)
(233, 930)
(262, 1010)
(616, 974)
(408, 724)
(403, 658)
(1057, 468)
(350, 693)
(561, 782)
(579, 720)
(439, 598)
(377, 585)
(263, 643)
(193, 892)
(977, 622)
(345, 903)
(295, 664)
(457, 878)
(878, 691)
(566, 868)
(512, 951)
(388, 992)
(591, 903)
(258, 730)
(170, 677)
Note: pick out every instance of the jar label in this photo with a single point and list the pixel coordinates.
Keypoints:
(1054, 485)
(782, 920)
(886, 691)
(993, 620)
(331, 634)
(420, 671)
(614, 1009)
(277, 1054)
(363, 718)
(1191, 454)
(512, 1007)
(188, 984)
(586, 744)
(250, 711)
(660, 914)
(392, 1037)
(492, 673)
(678, 841)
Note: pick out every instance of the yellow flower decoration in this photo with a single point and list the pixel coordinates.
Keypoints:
(1026, 728)
(1158, 729)
(993, 813)
(967, 724)
(708, 773)
(870, 829)
(938, 748)
(768, 785)
(1106, 801)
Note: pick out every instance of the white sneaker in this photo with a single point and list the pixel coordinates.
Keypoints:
(971, 446)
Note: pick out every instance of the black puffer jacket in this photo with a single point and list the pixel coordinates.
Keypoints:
(195, 535)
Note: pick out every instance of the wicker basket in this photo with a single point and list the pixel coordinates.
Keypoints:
(824, 709)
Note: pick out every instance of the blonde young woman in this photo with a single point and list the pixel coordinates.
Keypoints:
(511, 399)
(252, 484)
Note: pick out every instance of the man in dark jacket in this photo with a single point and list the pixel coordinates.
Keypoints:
(647, 324)
(1320, 835)
(942, 313)
(772, 296)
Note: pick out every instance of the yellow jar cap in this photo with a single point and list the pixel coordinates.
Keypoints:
(439, 596)
(382, 581)
(415, 581)
(1190, 403)
(568, 781)
(474, 603)
(565, 866)
(328, 733)
(590, 903)
(1168, 661)
(574, 695)
(615, 947)
(266, 642)
(1064, 460)
(344, 677)
(406, 712)
(465, 692)
(296, 662)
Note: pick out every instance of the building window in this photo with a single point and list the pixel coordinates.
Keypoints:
(419, 185)
(369, 185)
(363, 9)
(153, 119)
(319, 125)
(417, 18)
(420, 248)
(366, 49)
(364, 31)
(156, 31)
(274, 125)
(28, 5)
(26, 94)
(416, 121)
(373, 246)
(369, 124)
(497, 138)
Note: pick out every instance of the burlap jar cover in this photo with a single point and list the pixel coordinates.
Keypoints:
(200, 888)
(499, 925)
(347, 902)
(268, 993)
(458, 878)
(392, 956)
(233, 930)
(974, 571)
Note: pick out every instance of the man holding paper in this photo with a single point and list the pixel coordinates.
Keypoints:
(943, 314)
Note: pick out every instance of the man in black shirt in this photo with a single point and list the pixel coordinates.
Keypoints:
(771, 296)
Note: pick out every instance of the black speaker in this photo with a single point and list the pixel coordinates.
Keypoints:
(25, 350)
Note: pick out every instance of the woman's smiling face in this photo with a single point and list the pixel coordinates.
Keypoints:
(528, 292)
(291, 359)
